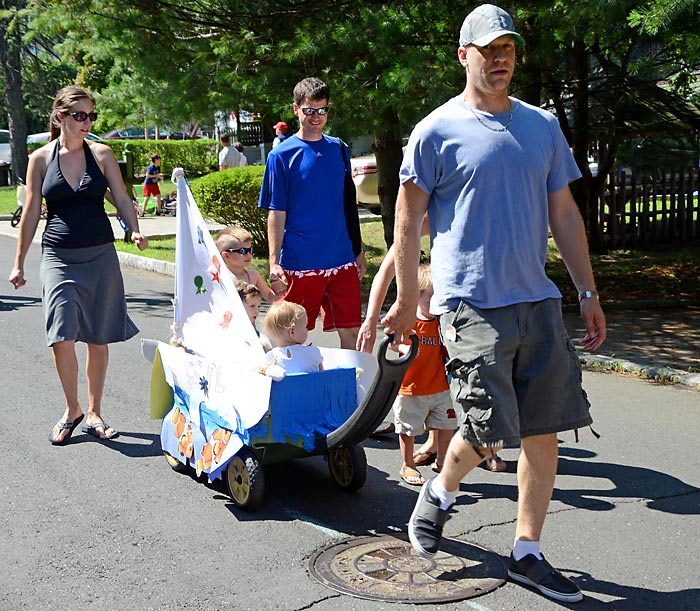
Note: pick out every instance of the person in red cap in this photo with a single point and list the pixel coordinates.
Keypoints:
(280, 133)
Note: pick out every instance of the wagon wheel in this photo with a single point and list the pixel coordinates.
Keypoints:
(245, 479)
(174, 463)
(348, 467)
(16, 216)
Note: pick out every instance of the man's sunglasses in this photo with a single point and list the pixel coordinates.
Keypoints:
(310, 112)
(241, 251)
(81, 116)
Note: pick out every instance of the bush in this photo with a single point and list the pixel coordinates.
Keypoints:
(231, 197)
(195, 156)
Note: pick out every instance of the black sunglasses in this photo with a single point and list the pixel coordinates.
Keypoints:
(241, 251)
(309, 112)
(81, 116)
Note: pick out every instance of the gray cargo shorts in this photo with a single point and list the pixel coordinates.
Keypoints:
(514, 372)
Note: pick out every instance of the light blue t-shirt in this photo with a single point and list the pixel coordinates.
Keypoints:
(305, 179)
(488, 201)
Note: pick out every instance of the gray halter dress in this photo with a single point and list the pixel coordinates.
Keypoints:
(82, 285)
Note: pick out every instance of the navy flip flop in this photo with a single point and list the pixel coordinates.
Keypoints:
(65, 426)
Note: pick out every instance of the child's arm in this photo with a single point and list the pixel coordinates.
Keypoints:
(380, 285)
(267, 293)
(377, 294)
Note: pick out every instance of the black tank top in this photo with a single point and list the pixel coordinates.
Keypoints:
(75, 219)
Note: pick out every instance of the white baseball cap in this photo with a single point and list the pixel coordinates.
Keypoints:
(486, 23)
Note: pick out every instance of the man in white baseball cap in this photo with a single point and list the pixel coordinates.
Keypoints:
(493, 174)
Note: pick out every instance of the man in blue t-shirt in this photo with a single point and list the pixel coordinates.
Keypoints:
(493, 174)
(311, 254)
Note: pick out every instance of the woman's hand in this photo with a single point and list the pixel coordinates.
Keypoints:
(140, 240)
(17, 278)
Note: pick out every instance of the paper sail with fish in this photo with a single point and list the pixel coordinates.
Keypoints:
(216, 391)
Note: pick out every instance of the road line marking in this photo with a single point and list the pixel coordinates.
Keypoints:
(324, 529)
(477, 606)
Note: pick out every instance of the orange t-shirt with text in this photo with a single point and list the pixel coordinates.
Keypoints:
(426, 374)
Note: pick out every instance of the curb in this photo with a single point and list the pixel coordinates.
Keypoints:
(595, 362)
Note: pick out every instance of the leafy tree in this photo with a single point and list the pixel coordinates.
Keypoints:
(388, 64)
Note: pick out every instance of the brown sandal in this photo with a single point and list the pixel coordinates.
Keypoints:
(422, 459)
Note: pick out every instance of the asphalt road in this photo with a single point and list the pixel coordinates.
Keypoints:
(93, 526)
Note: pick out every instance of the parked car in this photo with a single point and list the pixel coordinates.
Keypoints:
(366, 179)
(5, 151)
(43, 137)
(129, 133)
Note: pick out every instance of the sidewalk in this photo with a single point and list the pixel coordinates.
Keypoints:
(656, 340)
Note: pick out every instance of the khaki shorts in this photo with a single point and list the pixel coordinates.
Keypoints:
(414, 413)
(514, 372)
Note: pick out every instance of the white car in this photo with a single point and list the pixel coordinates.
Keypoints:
(366, 179)
(43, 137)
(5, 152)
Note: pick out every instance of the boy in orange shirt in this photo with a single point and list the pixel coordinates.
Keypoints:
(424, 399)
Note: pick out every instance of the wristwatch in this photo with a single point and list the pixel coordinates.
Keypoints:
(587, 295)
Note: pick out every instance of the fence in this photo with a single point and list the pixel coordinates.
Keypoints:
(644, 210)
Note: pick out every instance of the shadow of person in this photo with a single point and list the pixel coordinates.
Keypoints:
(626, 482)
(11, 303)
(631, 598)
(144, 445)
(303, 490)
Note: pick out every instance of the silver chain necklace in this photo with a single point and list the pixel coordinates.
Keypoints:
(500, 128)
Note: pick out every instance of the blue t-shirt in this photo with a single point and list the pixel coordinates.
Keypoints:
(305, 179)
(488, 208)
(152, 169)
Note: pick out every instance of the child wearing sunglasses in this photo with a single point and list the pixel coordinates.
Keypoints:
(235, 245)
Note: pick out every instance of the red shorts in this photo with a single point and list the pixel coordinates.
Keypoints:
(335, 292)
(149, 189)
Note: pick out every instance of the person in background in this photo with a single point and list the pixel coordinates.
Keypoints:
(229, 157)
(240, 148)
(82, 287)
(150, 185)
(280, 133)
(252, 300)
(489, 169)
(311, 254)
(236, 247)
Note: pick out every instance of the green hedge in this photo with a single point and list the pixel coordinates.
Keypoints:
(195, 156)
(231, 197)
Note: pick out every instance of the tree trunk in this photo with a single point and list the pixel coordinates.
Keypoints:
(388, 153)
(10, 56)
(584, 191)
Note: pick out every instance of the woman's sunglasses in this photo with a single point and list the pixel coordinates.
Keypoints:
(81, 116)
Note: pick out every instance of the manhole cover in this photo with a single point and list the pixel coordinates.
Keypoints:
(386, 568)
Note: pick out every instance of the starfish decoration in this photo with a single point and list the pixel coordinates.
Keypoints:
(204, 386)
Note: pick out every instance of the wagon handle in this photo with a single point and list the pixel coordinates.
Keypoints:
(368, 416)
(384, 347)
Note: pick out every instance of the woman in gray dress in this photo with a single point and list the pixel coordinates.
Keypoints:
(82, 286)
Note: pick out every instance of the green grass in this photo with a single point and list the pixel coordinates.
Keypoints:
(8, 200)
